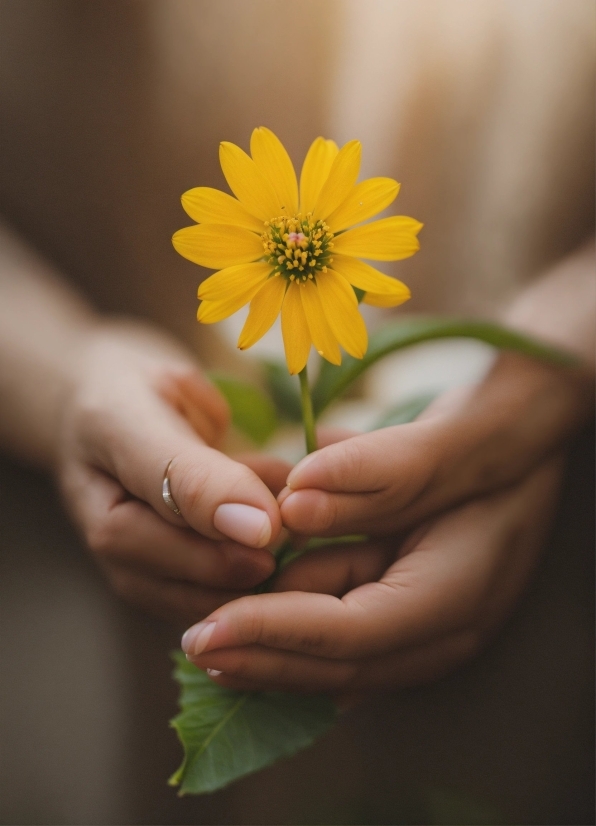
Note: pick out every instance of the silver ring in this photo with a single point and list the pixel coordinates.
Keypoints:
(167, 493)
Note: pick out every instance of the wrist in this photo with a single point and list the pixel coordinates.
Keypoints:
(526, 409)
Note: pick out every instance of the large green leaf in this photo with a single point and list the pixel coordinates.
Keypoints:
(405, 411)
(227, 734)
(253, 412)
(332, 380)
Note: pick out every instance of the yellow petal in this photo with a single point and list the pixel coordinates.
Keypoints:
(366, 199)
(385, 300)
(264, 309)
(322, 337)
(271, 158)
(234, 280)
(342, 177)
(315, 171)
(248, 183)
(341, 309)
(211, 311)
(216, 246)
(295, 330)
(211, 206)
(389, 239)
(369, 279)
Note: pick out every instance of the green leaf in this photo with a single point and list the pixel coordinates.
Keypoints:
(253, 412)
(283, 389)
(332, 380)
(404, 412)
(228, 734)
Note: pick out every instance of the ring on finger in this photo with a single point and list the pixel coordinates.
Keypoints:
(167, 493)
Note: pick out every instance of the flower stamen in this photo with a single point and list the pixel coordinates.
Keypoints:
(300, 243)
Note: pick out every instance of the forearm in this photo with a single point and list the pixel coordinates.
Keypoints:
(525, 408)
(560, 307)
(43, 327)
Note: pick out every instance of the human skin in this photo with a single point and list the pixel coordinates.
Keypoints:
(105, 405)
(466, 495)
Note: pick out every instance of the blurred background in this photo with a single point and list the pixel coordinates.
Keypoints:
(484, 111)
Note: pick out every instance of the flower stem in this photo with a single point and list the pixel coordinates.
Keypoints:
(308, 418)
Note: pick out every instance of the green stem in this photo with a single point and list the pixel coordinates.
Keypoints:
(308, 418)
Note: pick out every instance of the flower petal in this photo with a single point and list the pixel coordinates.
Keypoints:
(342, 177)
(369, 279)
(366, 199)
(295, 330)
(315, 171)
(264, 309)
(341, 309)
(216, 245)
(385, 300)
(248, 183)
(233, 280)
(322, 337)
(389, 239)
(271, 158)
(211, 206)
(211, 311)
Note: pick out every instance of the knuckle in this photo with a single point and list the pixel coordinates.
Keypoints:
(243, 478)
(325, 513)
(191, 482)
(351, 461)
(249, 624)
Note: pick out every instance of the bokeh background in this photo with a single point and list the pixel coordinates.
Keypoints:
(484, 111)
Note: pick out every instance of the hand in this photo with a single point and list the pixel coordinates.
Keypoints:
(138, 403)
(469, 442)
(440, 596)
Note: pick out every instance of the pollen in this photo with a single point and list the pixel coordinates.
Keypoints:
(299, 243)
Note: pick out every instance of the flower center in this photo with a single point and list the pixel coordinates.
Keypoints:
(297, 248)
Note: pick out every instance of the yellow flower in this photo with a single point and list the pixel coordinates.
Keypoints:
(290, 250)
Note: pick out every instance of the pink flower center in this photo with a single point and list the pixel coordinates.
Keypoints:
(296, 237)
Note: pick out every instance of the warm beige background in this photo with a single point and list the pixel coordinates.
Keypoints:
(483, 109)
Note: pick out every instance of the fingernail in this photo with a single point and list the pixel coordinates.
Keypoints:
(297, 470)
(213, 672)
(195, 640)
(247, 525)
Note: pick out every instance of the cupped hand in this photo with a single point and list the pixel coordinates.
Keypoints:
(138, 404)
(388, 613)
(469, 442)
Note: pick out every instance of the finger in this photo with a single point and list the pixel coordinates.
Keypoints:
(271, 470)
(318, 513)
(164, 598)
(325, 436)
(190, 392)
(218, 497)
(253, 668)
(355, 485)
(127, 531)
(509, 424)
(442, 586)
(337, 569)
(331, 435)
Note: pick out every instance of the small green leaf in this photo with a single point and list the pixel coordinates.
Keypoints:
(253, 412)
(228, 734)
(404, 412)
(283, 389)
(332, 380)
